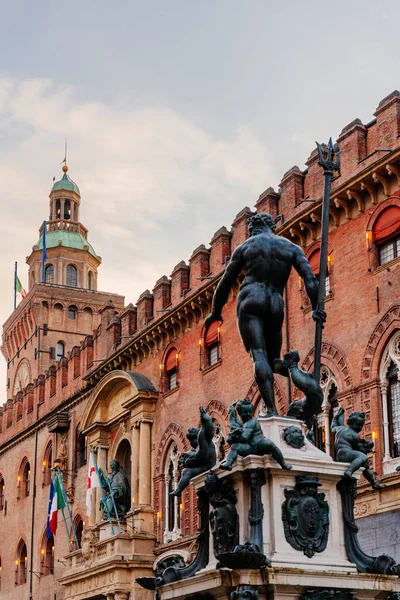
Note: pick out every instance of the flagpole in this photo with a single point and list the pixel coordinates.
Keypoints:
(64, 493)
(71, 547)
(44, 253)
(15, 285)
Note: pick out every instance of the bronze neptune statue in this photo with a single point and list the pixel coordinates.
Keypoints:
(267, 260)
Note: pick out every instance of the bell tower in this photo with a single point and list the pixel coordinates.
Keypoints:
(63, 303)
(71, 260)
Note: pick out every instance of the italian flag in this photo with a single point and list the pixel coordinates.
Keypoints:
(56, 501)
(18, 287)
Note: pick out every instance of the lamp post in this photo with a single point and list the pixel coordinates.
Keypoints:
(329, 160)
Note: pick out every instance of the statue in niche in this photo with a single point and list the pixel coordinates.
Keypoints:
(224, 519)
(203, 455)
(350, 447)
(305, 516)
(294, 436)
(245, 592)
(267, 260)
(120, 490)
(246, 436)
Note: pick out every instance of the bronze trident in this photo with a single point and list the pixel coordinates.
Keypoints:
(329, 164)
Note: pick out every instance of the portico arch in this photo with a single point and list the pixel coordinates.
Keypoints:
(121, 410)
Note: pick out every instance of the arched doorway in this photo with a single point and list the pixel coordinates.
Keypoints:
(124, 456)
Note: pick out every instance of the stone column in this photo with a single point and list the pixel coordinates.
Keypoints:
(325, 419)
(385, 420)
(135, 462)
(145, 463)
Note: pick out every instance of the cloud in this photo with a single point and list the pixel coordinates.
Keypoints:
(154, 184)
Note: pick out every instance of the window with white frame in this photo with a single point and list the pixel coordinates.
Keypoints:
(172, 525)
(389, 374)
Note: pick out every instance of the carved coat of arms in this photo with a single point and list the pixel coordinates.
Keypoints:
(305, 516)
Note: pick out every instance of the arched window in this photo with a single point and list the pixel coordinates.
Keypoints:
(172, 507)
(47, 555)
(90, 280)
(24, 479)
(330, 406)
(21, 563)
(2, 488)
(124, 456)
(390, 390)
(386, 234)
(67, 210)
(58, 208)
(72, 276)
(60, 350)
(78, 523)
(212, 342)
(47, 464)
(72, 312)
(80, 448)
(49, 273)
(170, 368)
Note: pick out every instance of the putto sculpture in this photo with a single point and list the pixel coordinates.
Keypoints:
(203, 455)
(120, 495)
(350, 447)
(267, 260)
(246, 436)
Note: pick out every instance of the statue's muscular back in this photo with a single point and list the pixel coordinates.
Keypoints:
(267, 260)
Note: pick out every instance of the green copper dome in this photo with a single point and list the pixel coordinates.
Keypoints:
(66, 183)
(67, 239)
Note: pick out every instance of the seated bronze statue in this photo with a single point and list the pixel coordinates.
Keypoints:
(202, 457)
(120, 496)
(246, 436)
(350, 447)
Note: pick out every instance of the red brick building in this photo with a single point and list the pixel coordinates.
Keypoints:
(133, 382)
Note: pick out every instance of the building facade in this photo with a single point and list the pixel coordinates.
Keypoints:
(85, 371)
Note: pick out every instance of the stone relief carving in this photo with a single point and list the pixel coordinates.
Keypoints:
(305, 516)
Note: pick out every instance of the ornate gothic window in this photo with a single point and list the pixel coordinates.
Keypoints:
(49, 274)
(322, 428)
(172, 507)
(72, 276)
(390, 393)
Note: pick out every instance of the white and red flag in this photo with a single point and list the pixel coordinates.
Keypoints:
(92, 482)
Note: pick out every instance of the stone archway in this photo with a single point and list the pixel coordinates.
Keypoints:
(121, 409)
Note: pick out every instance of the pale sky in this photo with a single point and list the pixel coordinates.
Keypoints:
(177, 114)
